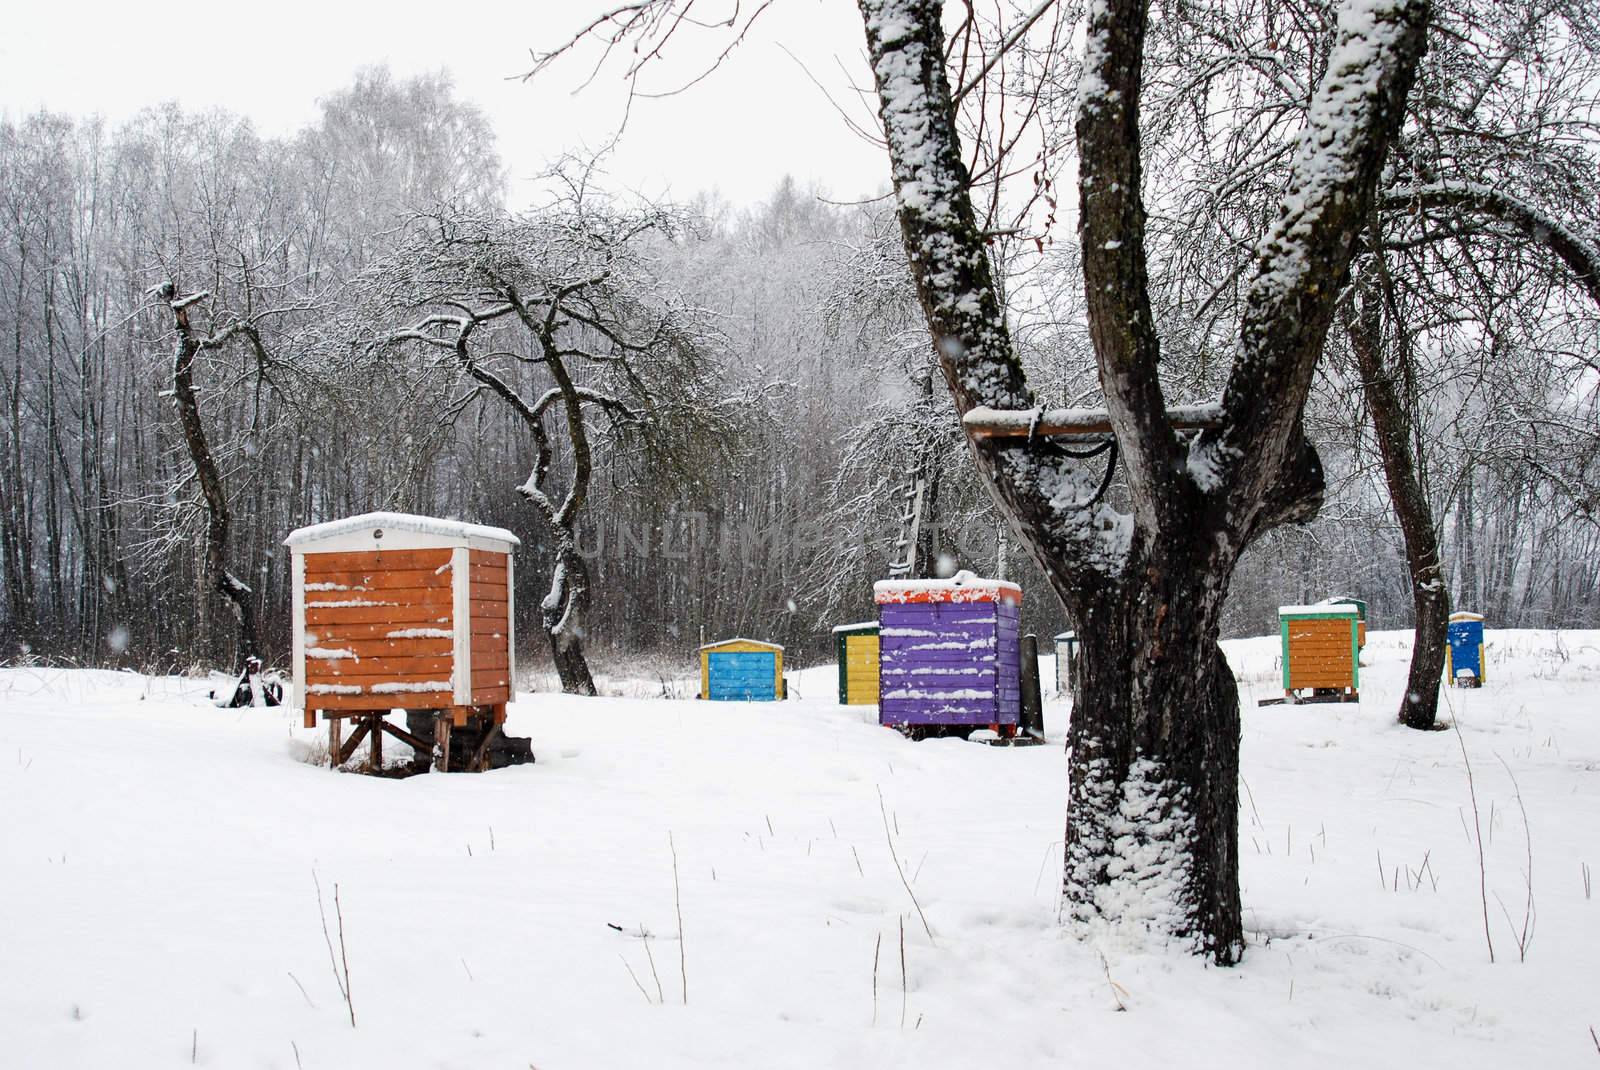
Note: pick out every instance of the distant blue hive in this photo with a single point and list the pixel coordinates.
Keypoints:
(1464, 650)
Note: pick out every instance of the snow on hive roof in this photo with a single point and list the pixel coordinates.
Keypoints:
(741, 639)
(1464, 615)
(1322, 609)
(962, 587)
(422, 525)
(862, 626)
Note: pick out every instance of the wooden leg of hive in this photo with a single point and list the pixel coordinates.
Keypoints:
(311, 717)
(500, 714)
(458, 716)
(346, 752)
(335, 732)
(377, 743)
(480, 757)
(441, 742)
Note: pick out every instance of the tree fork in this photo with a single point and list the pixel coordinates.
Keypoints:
(1153, 796)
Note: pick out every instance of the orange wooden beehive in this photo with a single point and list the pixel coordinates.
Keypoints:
(1321, 651)
(393, 611)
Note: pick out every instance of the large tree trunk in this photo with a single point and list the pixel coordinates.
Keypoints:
(1152, 819)
(1430, 596)
(1152, 807)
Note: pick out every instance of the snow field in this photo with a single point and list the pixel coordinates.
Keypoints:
(158, 896)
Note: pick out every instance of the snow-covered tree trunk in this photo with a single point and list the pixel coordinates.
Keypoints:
(1152, 834)
(564, 614)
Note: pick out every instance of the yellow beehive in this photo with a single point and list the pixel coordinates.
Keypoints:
(857, 647)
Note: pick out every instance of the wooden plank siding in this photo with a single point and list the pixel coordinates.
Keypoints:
(369, 607)
(377, 560)
(948, 655)
(1320, 652)
(393, 610)
(742, 684)
(489, 598)
(858, 666)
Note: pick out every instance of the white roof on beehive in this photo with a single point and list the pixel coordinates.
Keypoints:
(1322, 609)
(447, 531)
(975, 586)
(742, 639)
(855, 627)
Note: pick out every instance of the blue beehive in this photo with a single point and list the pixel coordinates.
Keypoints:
(1464, 650)
(741, 670)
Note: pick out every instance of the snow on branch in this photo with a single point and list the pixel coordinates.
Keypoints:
(985, 422)
(1300, 264)
(1579, 253)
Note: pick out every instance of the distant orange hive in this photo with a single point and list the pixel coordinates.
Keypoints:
(402, 612)
(1321, 650)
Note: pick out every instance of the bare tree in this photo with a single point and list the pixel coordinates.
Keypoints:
(1495, 152)
(566, 297)
(219, 519)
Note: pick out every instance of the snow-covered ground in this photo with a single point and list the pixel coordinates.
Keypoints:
(157, 902)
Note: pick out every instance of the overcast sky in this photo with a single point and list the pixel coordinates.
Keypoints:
(755, 119)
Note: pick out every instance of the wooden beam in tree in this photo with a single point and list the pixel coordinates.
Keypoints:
(987, 423)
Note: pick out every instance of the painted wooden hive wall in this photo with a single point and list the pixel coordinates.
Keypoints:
(1464, 649)
(378, 630)
(948, 663)
(1319, 652)
(490, 600)
(858, 668)
(734, 675)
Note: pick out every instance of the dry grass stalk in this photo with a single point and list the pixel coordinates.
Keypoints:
(1483, 871)
(884, 810)
(877, 945)
(677, 904)
(334, 960)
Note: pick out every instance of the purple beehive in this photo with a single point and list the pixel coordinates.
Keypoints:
(947, 651)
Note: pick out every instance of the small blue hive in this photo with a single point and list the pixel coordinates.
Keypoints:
(1464, 650)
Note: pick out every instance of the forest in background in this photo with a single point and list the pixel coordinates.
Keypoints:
(758, 493)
